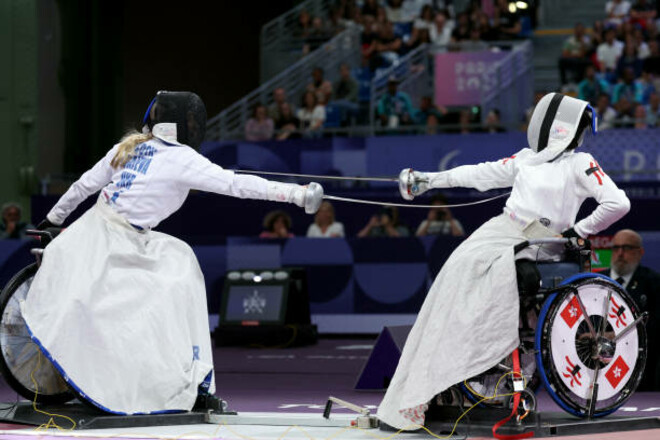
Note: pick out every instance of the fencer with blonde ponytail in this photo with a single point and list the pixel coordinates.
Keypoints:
(127, 146)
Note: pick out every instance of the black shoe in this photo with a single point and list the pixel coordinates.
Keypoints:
(210, 402)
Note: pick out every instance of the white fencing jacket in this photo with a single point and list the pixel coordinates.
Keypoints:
(156, 181)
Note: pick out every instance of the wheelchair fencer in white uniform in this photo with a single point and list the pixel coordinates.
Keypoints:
(117, 309)
(469, 321)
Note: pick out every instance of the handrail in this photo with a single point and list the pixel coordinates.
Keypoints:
(343, 48)
(276, 37)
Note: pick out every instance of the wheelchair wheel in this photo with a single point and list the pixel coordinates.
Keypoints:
(568, 357)
(21, 361)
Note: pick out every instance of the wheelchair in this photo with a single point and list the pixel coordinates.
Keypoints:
(583, 339)
(25, 369)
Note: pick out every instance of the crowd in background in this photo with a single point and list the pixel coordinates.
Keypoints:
(615, 65)
(383, 223)
(389, 29)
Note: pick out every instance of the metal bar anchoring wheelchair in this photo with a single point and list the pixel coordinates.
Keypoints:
(584, 339)
(24, 367)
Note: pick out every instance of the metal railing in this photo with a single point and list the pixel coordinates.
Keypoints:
(280, 44)
(343, 48)
(509, 85)
(413, 73)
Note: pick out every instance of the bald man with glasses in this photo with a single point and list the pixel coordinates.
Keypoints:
(643, 284)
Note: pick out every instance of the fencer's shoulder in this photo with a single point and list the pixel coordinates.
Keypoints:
(581, 158)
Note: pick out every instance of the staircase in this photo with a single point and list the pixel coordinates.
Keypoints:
(558, 17)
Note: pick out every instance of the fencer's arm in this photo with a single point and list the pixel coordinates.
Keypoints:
(202, 174)
(90, 182)
(612, 202)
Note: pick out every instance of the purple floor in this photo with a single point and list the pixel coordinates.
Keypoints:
(301, 379)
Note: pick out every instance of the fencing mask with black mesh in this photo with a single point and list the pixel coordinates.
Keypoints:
(559, 123)
(177, 116)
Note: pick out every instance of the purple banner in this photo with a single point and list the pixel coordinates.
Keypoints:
(459, 76)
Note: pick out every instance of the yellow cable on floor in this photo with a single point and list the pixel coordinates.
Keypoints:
(51, 421)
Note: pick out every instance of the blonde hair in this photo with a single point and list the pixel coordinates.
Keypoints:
(127, 146)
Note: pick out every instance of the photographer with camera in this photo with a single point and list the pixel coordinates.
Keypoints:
(440, 221)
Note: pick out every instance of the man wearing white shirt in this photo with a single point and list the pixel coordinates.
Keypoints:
(609, 51)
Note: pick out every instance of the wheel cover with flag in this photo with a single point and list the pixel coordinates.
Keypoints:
(565, 348)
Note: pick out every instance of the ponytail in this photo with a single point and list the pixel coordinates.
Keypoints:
(127, 146)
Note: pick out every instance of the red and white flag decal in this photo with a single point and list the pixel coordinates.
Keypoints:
(571, 313)
(617, 372)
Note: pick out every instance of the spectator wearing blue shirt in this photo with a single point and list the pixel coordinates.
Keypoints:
(394, 107)
(628, 88)
(592, 86)
(428, 108)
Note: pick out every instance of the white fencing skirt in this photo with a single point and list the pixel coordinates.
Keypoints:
(122, 314)
(467, 324)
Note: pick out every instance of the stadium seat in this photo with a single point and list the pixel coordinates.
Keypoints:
(332, 116)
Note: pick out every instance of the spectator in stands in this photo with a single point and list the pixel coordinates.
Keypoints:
(643, 284)
(604, 112)
(608, 52)
(475, 43)
(425, 19)
(277, 224)
(652, 62)
(643, 13)
(311, 115)
(287, 124)
(345, 96)
(465, 121)
(597, 34)
(432, 124)
(346, 88)
(320, 86)
(385, 46)
(486, 31)
(318, 34)
(625, 110)
(370, 7)
(395, 13)
(653, 110)
(507, 23)
(428, 108)
(640, 118)
(324, 223)
(627, 87)
(417, 38)
(617, 12)
(279, 99)
(629, 59)
(574, 54)
(462, 30)
(394, 107)
(639, 40)
(493, 123)
(440, 32)
(11, 226)
(259, 127)
(304, 24)
(440, 220)
(645, 86)
(592, 86)
(385, 224)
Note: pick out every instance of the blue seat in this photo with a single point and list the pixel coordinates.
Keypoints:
(332, 116)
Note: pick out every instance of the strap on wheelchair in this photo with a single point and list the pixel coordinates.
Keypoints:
(517, 376)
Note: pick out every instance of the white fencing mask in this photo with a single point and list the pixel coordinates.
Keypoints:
(559, 123)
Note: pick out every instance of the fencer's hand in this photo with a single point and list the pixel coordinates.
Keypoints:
(412, 183)
(45, 224)
(312, 198)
